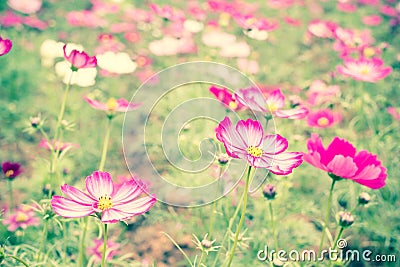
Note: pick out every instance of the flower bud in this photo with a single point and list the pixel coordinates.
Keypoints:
(206, 243)
(269, 191)
(364, 198)
(223, 159)
(35, 122)
(345, 219)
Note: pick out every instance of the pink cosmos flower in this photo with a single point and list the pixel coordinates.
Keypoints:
(249, 22)
(348, 40)
(35, 23)
(112, 105)
(5, 46)
(85, 18)
(79, 60)
(97, 250)
(320, 93)
(57, 145)
(247, 141)
(114, 203)
(25, 6)
(388, 10)
(372, 20)
(363, 69)
(11, 169)
(322, 29)
(395, 114)
(227, 98)
(341, 160)
(292, 21)
(323, 118)
(274, 102)
(346, 7)
(248, 66)
(167, 12)
(21, 218)
(11, 19)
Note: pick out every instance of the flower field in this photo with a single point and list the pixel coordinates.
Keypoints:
(199, 133)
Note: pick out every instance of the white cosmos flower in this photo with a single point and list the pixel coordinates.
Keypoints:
(119, 63)
(51, 49)
(83, 77)
(239, 49)
(193, 26)
(217, 38)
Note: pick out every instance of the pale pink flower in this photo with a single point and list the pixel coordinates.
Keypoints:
(248, 66)
(114, 203)
(322, 29)
(393, 111)
(341, 160)
(248, 142)
(323, 118)
(320, 93)
(346, 7)
(368, 70)
(25, 6)
(57, 145)
(96, 251)
(167, 12)
(112, 105)
(21, 218)
(372, 20)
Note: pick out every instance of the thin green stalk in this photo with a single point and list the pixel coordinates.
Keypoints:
(103, 257)
(10, 189)
(328, 212)
(179, 248)
(65, 242)
(271, 212)
(63, 104)
(105, 145)
(245, 195)
(18, 259)
(214, 207)
(43, 240)
(335, 244)
(81, 257)
(201, 258)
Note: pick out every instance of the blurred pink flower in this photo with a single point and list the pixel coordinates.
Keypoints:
(112, 105)
(102, 7)
(322, 29)
(115, 203)
(372, 20)
(97, 250)
(122, 27)
(247, 141)
(25, 6)
(167, 12)
(323, 118)
(85, 18)
(341, 160)
(107, 42)
(292, 21)
(21, 218)
(226, 97)
(35, 23)
(274, 103)
(368, 70)
(79, 60)
(348, 40)
(248, 66)
(57, 145)
(388, 11)
(5, 46)
(11, 19)
(249, 22)
(320, 93)
(132, 37)
(11, 169)
(393, 111)
(346, 7)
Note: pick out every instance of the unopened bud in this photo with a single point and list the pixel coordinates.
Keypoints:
(269, 191)
(35, 122)
(206, 243)
(223, 159)
(345, 219)
(364, 198)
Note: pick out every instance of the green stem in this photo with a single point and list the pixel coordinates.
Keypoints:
(63, 104)
(271, 212)
(336, 240)
(242, 217)
(10, 189)
(81, 257)
(43, 240)
(214, 207)
(65, 241)
(103, 258)
(105, 145)
(201, 258)
(18, 259)
(328, 212)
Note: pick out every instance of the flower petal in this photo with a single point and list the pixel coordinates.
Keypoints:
(285, 162)
(338, 147)
(126, 192)
(251, 132)
(342, 166)
(99, 184)
(274, 144)
(232, 141)
(70, 209)
(77, 195)
(138, 206)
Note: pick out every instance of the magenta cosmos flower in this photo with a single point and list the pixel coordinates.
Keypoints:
(341, 160)
(57, 145)
(5, 46)
(120, 105)
(115, 203)
(323, 118)
(21, 218)
(363, 69)
(274, 102)
(247, 141)
(79, 60)
(11, 169)
(227, 98)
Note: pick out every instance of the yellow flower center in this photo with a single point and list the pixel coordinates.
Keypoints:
(255, 151)
(369, 52)
(9, 173)
(272, 107)
(250, 21)
(233, 105)
(224, 19)
(364, 71)
(322, 121)
(104, 203)
(21, 217)
(111, 103)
